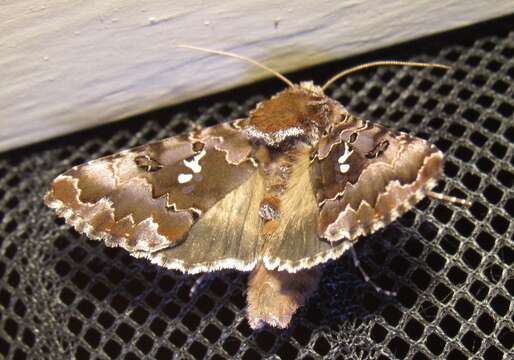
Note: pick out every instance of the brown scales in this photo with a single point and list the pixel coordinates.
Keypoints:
(289, 188)
(292, 108)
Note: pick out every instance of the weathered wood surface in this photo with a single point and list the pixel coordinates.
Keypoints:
(70, 65)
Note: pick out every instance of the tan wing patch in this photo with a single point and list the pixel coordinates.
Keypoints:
(296, 244)
(227, 236)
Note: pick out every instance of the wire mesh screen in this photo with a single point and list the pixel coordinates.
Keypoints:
(63, 296)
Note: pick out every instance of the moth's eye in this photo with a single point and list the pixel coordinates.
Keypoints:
(198, 146)
(146, 163)
(353, 137)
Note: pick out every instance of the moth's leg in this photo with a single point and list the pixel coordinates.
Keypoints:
(200, 283)
(449, 199)
(377, 288)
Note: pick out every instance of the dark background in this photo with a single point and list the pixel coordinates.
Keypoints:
(63, 296)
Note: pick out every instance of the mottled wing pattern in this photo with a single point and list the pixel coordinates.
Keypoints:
(155, 200)
(366, 175)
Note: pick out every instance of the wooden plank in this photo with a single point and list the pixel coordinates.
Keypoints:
(70, 65)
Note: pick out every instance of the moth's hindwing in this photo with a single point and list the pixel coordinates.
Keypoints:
(366, 176)
(163, 201)
(296, 244)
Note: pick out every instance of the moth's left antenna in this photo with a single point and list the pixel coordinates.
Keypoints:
(240, 57)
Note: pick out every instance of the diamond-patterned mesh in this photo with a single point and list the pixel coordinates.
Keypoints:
(62, 296)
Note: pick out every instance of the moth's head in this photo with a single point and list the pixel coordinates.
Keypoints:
(301, 112)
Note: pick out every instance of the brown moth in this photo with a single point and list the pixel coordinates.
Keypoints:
(292, 186)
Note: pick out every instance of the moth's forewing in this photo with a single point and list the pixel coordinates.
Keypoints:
(370, 176)
(148, 199)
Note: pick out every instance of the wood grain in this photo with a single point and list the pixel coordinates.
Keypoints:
(70, 65)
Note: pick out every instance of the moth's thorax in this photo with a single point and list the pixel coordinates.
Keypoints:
(299, 112)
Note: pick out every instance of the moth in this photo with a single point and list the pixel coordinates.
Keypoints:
(292, 186)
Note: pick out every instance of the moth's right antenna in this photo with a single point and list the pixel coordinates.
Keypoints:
(380, 63)
(240, 57)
